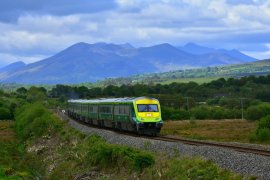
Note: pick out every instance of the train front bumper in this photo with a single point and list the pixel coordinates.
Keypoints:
(150, 125)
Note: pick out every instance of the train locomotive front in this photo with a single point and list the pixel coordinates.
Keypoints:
(148, 115)
(141, 114)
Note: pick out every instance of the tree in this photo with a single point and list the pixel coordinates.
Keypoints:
(5, 114)
(21, 90)
(35, 94)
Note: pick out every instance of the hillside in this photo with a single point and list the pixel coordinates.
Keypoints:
(261, 67)
(200, 50)
(84, 62)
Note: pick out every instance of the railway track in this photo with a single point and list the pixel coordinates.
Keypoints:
(238, 148)
(221, 145)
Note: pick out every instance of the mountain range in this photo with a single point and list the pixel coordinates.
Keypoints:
(83, 62)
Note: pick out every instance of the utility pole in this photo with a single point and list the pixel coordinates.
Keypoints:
(242, 107)
(187, 104)
(188, 107)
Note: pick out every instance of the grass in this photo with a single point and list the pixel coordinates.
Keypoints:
(47, 148)
(66, 153)
(15, 163)
(217, 130)
(187, 80)
(190, 168)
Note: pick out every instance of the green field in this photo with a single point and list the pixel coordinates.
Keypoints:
(187, 80)
(198, 75)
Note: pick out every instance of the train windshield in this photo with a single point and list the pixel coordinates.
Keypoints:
(147, 108)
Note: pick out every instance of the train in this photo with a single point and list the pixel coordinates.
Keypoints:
(141, 115)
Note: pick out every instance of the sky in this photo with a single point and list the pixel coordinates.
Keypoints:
(31, 30)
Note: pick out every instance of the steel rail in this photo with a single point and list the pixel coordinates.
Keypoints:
(257, 151)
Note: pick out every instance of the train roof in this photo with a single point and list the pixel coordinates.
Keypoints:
(109, 100)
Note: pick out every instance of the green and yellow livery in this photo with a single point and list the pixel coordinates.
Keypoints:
(140, 114)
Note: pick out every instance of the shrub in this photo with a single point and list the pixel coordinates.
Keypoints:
(264, 123)
(263, 134)
(184, 168)
(262, 131)
(5, 113)
(252, 137)
(254, 113)
(34, 120)
(233, 114)
(16, 163)
(174, 114)
(258, 111)
(218, 113)
(99, 153)
(180, 114)
(201, 112)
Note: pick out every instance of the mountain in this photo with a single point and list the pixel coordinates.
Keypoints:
(195, 49)
(84, 62)
(9, 69)
(12, 67)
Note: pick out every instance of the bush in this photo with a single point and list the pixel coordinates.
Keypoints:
(16, 163)
(264, 123)
(201, 112)
(34, 120)
(258, 111)
(208, 112)
(99, 153)
(185, 168)
(262, 131)
(263, 134)
(5, 113)
(217, 114)
(254, 113)
(174, 114)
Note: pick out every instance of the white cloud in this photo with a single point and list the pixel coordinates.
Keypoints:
(10, 58)
(260, 54)
(140, 23)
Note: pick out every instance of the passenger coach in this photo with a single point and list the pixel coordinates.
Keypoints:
(141, 114)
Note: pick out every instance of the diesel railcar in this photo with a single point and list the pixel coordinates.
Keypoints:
(141, 114)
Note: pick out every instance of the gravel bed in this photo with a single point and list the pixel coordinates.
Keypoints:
(243, 163)
(247, 145)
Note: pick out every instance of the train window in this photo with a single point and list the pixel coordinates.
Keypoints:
(76, 107)
(95, 108)
(152, 108)
(126, 110)
(79, 108)
(142, 108)
(105, 109)
(116, 110)
(121, 110)
(84, 108)
(147, 107)
(91, 109)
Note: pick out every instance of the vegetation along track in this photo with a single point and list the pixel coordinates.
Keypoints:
(262, 152)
